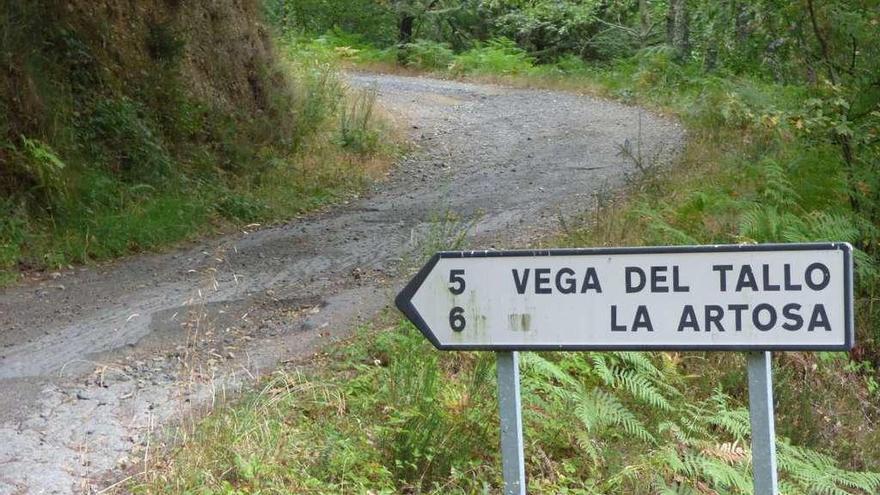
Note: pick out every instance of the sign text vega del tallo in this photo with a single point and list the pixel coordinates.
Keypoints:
(742, 297)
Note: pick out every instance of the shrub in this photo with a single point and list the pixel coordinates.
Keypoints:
(239, 207)
(498, 56)
(42, 164)
(132, 148)
(426, 54)
(571, 64)
(13, 233)
(163, 44)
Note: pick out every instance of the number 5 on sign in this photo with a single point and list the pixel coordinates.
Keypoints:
(456, 282)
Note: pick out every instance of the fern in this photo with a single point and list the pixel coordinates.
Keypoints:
(534, 363)
(762, 223)
(733, 421)
(816, 473)
(600, 409)
(639, 360)
(642, 389)
(822, 226)
(685, 446)
(601, 367)
(722, 475)
(778, 190)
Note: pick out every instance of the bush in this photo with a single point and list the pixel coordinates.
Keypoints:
(571, 64)
(386, 413)
(239, 207)
(426, 54)
(43, 165)
(498, 56)
(374, 20)
(163, 44)
(131, 146)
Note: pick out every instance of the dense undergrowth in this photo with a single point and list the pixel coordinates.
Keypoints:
(386, 413)
(769, 158)
(117, 139)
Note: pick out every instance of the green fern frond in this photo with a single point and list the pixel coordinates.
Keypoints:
(722, 475)
(736, 422)
(817, 473)
(671, 234)
(589, 444)
(822, 226)
(602, 368)
(762, 223)
(600, 409)
(638, 360)
(641, 388)
(778, 189)
(534, 363)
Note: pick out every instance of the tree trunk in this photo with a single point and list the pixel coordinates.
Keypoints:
(677, 29)
(742, 18)
(404, 35)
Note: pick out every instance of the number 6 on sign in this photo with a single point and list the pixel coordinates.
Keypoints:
(456, 319)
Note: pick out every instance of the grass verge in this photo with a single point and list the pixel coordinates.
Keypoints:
(385, 413)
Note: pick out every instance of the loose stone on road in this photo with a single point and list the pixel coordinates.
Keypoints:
(95, 361)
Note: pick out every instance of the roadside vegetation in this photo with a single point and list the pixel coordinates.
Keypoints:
(117, 139)
(781, 106)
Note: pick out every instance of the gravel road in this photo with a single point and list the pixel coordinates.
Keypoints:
(95, 360)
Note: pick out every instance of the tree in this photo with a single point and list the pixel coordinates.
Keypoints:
(678, 28)
(409, 12)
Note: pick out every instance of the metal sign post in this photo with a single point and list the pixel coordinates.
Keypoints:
(761, 417)
(752, 298)
(513, 464)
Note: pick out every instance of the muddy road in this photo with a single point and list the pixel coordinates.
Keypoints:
(95, 360)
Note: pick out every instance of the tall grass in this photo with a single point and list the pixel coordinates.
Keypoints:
(604, 422)
(147, 176)
(386, 413)
(357, 130)
(380, 420)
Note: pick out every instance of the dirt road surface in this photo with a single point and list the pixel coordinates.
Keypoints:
(94, 361)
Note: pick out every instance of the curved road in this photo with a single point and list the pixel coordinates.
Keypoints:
(93, 361)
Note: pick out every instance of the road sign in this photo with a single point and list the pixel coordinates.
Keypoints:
(739, 297)
(749, 297)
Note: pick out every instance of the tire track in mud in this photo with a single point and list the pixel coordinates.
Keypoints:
(93, 362)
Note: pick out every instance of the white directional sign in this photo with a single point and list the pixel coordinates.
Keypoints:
(743, 297)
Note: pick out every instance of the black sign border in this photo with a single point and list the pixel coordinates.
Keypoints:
(403, 301)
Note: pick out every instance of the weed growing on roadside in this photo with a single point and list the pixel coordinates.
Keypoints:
(385, 412)
(445, 232)
(357, 129)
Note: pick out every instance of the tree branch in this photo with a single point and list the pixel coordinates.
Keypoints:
(823, 45)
